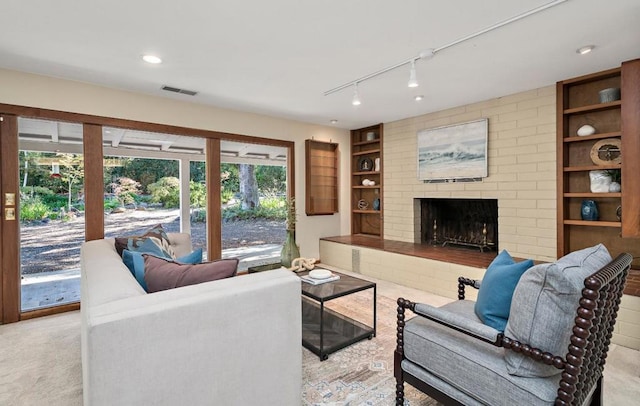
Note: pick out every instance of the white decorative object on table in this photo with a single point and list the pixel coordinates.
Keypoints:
(586, 130)
(600, 181)
(320, 273)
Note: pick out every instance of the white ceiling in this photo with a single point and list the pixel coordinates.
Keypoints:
(278, 57)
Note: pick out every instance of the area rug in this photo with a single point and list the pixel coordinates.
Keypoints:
(361, 374)
(40, 362)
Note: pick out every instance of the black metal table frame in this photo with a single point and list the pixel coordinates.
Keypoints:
(368, 332)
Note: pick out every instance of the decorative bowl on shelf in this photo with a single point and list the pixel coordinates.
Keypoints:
(586, 130)
(609, 94)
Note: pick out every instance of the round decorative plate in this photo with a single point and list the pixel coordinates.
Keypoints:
(606, 152)
(365, 164)
(320, 273)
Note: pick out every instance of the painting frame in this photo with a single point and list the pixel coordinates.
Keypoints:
(453, 152)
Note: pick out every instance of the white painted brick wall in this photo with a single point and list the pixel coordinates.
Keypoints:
(521, 160)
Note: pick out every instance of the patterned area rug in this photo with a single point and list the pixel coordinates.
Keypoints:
(361, 374)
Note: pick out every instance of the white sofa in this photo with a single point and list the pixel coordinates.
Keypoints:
(235, 341)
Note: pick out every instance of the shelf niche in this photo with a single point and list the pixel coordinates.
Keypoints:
(578, 104)
(366, 150)
(321, 182)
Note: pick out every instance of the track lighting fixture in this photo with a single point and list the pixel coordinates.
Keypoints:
(356, 96)
(413, 81)
(430, 52)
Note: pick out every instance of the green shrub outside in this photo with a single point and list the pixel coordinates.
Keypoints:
(271, 208)
(166, 191)
(33, 208)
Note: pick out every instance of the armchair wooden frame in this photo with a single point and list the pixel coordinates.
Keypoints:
(584, 362)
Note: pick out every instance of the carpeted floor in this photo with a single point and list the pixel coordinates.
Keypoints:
(40, 362)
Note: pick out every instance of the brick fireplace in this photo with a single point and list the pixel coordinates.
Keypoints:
(470, 223)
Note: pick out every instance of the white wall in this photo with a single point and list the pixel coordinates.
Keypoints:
(25, 89)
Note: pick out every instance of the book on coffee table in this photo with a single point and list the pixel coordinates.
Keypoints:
(313, 281)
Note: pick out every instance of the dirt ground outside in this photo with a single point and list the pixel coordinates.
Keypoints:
(55, 245)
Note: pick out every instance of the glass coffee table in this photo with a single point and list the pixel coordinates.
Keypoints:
(324, 330)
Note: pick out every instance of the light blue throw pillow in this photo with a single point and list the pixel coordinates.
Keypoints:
(496, 291)
(135, 261)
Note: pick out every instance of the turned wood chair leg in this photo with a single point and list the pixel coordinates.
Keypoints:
(399, 392)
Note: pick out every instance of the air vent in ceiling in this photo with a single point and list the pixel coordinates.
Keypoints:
(178, 90)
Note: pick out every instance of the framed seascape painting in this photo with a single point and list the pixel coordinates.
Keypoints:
(453, 152)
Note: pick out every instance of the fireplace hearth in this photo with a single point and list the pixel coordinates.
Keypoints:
(471, 223)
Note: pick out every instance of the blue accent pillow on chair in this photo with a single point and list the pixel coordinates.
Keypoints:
(496, 291)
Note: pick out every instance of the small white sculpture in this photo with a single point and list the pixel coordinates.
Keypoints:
(301, 264)
(367, 182)
(600, 181)
(376, 165)
(586, 130)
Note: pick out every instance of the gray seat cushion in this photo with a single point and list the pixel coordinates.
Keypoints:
(469, 365)
(544, 306)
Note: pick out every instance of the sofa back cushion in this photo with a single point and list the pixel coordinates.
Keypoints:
(544, 306)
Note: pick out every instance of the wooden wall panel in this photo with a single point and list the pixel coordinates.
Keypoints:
(214, 203)
(93, 182)
(631, 149)
(9, 182)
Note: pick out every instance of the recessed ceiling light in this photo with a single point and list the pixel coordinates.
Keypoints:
(334, 121)
(419, 97)
(151, 59)
(585, 49)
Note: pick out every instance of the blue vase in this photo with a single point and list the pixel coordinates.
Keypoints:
(376, 204)
(589, 210)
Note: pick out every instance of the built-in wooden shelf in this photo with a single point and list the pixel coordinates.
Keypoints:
(593, 223)
(367, 152)
(357, 144)
(367, 173)
(366, 144)
(594, 107)
(321, 178)
(595, 195)
(591, 168)
(592, 137)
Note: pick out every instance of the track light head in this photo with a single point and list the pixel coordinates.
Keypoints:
(413, 81)
(356, 97)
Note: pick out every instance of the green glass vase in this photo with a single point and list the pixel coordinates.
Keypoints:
(290, 250)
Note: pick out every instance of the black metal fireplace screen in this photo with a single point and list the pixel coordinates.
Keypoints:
(460, 222)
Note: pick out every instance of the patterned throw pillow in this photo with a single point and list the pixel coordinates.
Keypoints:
(155, 234)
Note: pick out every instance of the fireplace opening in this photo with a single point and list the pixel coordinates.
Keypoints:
(471, 223)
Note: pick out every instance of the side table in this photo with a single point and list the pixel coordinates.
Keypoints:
(324, 330)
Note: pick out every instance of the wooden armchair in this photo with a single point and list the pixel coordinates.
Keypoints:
(451, 356)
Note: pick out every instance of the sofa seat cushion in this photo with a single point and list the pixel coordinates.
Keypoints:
(544, 306)
(471, 366)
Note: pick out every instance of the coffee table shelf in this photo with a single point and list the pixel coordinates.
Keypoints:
(324, 330)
